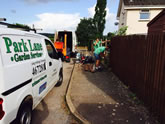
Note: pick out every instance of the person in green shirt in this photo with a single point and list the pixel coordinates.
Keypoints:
(96, 44)
(97, 50)
(97, 53)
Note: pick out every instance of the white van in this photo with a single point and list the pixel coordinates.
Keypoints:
(29, 68)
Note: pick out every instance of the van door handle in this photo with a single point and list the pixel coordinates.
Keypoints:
(50, 63)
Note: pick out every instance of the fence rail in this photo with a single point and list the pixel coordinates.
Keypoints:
(139, 61)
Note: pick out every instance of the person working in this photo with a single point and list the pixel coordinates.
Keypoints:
(96, 44)
(97, 53)
(97, 50)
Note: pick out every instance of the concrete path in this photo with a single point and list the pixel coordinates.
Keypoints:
(100, 98)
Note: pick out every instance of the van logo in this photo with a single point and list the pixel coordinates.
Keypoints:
(42, 87)
(23, 50)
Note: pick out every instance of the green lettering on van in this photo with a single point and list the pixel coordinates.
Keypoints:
(8, 43)
(36, 82)
(31, 49)
(20, 46)
(16, 49)
(24, 46)
(17, 58)
(35, 46)
(22, 57)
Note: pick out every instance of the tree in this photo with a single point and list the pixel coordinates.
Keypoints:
(99, 17)
(85, 31)
(22, 26)
(122, 31)
(17, 25)
(110, 35)
(49, 35)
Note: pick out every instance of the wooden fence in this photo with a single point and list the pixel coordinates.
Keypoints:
(139, 61)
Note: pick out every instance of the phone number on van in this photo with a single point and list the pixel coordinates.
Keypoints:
(38, 67)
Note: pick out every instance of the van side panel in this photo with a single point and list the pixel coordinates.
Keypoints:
(25, 70)
(1, 73)
(19, 56)
(19, 52)
(12, 103)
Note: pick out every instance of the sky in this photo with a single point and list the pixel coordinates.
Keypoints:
(55, 15)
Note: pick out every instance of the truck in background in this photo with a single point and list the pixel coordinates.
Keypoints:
(65, 42)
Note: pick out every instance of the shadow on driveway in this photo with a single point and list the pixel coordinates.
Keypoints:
(102, 98)
(40, 115)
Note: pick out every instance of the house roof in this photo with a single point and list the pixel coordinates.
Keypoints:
(143, 2)
(156, 18)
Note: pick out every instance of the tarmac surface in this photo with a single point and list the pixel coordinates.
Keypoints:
(53, 109)
(101, 98)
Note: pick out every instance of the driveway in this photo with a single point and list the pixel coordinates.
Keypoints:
(52, 109)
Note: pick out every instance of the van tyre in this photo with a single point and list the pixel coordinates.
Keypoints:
(60, 79)
(24, 114)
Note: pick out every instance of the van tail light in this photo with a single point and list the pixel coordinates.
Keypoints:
(67, 57)
(2, 113)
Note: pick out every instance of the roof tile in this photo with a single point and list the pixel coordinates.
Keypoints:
(144, 2)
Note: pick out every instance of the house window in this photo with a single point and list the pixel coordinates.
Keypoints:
(144, 15)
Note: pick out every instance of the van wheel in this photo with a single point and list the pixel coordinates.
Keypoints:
(24, 114)
(60, 79)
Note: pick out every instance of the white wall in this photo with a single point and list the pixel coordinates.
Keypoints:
(137, 26)
(122, 18)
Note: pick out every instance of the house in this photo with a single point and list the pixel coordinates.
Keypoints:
(157, 24)
(136, 14)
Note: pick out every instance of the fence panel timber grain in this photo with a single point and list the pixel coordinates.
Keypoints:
(139, 61)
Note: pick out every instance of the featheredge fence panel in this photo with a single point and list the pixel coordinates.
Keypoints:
(139, 61)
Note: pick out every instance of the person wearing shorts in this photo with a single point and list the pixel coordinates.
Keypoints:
(97, 55)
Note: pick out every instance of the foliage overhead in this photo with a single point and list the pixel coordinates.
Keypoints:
(85, 31)
(49, 35)
(110, 35)
(17, 25)
(122, 31)
(99, 17)
(22, 26)
(91, 28)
